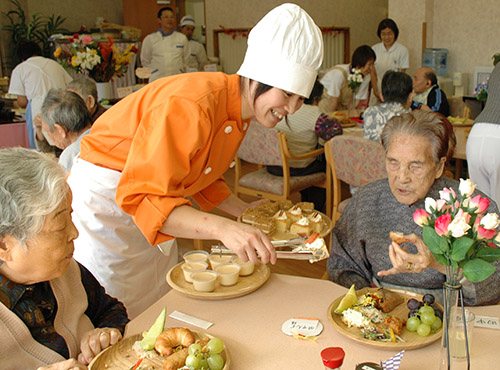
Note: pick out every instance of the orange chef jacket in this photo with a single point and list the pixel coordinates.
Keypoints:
(172, 139)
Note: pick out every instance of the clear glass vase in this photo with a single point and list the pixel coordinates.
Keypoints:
(454, 342)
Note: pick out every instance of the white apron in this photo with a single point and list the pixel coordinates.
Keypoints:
(111, 246)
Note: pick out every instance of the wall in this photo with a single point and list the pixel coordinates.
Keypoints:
(468, 29)
(360, 15)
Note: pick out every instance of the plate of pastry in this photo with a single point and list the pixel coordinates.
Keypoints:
(283, 220)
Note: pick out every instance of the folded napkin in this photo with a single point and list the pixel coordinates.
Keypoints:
(191, 320)
(394, 362)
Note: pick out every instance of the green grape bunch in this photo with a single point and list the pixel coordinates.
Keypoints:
(424, 317)
(206, 359)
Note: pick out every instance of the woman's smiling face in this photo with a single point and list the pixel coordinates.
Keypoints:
(272, 106)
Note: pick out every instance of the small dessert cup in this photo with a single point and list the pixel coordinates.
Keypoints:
(217, 259)
(190, 267)
(204, 281)
(228, 273)
(196, 256)
(247, 268)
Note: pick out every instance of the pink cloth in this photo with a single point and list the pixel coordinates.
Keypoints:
(14, 134)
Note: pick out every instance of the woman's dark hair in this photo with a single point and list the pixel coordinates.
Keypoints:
(388, 23)
(27, 49)
(316, 93)
(396, 87)
(362, 55)
(163, 9)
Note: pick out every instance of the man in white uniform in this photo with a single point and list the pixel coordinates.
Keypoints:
(32, 79)
(165, 51)
(198, 55)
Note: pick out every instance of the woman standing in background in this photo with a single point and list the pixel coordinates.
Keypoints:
(391, 55)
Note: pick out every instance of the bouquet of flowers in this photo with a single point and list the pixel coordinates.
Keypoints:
(458, 233)
(99, 60)
(481, 91)
(355, 79)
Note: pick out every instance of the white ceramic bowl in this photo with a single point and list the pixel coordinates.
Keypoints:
(228, 273)
(196, 256)
(204, 281)
(190, 267)
(247, 268)
(217, 259)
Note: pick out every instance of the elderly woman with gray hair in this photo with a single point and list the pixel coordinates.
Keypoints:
(66, 121)
(53, 312)
(418, 146)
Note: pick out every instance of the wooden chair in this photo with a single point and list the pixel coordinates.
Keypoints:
(458, 108)
(354, 160)
(268, 147)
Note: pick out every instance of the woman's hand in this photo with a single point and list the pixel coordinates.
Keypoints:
(94, 341)
(70, 364)
(404, 262)
(248, 242)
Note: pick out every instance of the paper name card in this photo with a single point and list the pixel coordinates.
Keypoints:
(302, 326)
(191, 320)
(487, 322)
(123, 91)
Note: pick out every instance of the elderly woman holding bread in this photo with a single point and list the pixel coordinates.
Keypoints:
(54, 315)
(418, 145)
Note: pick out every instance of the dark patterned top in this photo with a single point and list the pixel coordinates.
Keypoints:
(360, 242)
(36, 306)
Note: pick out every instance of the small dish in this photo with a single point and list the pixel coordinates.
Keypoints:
(247, 268)
(204, 281)
(189, 268)
(218, 259)
(228, 273)
(196, 256)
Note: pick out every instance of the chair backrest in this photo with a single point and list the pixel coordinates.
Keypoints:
(458, 108)
(260, 146)
(356, 161)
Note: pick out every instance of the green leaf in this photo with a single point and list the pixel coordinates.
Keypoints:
(477, 270)
(436, 244)
(460, 247)
(489, 254)
(441, 259)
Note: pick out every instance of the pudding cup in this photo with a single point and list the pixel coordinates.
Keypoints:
(196, 256)
(217, 259)
(204, 281)
(228, 273)
(190, 267)
(247, 268)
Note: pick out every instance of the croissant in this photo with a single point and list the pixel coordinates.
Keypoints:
(171, 338)
(176, 360)
(397, 237)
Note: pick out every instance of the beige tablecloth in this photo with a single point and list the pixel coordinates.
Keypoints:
(251, 328)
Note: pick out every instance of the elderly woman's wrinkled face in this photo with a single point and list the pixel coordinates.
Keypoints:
(49, 252)
(410, 167)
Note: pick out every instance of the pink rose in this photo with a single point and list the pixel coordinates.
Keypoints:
(448, 194)
(87, 39)
(442, 223)
(421, 217)
(480, 203)
(440, 204)
(486, 234)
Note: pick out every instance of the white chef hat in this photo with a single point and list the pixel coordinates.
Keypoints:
(187, 20)
(285, 50)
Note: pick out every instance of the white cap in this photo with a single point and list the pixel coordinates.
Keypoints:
(285, 50)
(187, 20)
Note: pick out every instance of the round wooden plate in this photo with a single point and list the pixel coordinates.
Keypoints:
(413, 340)
(121, 356)
(245, 284)
(325, 230)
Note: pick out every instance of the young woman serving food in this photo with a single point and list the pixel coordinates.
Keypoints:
(174, 139)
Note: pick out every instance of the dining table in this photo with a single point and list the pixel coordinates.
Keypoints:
(250, 326)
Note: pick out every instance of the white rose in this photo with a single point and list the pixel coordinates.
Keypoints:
(458, 227)
(490, 221)
(430, 203)
(466, 187)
